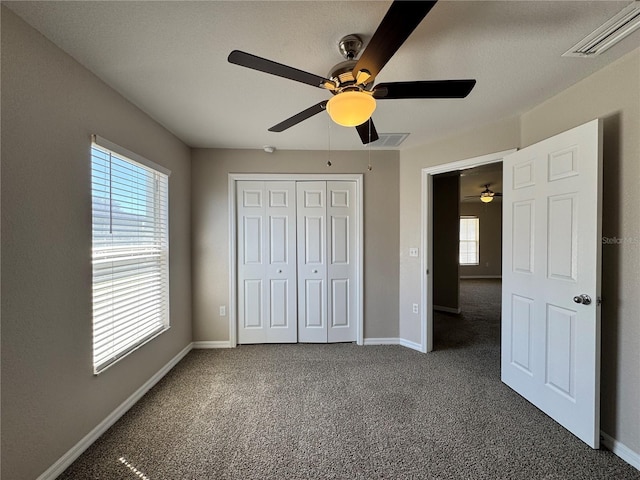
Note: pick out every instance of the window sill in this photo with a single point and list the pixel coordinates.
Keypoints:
(97, 371)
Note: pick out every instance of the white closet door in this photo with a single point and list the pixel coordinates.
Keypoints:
(341, 261)
(327, 305)
(312, 264)
(266, 262)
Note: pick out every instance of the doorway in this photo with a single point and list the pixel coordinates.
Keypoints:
(550, 325)
(467, 251)
(427, 234)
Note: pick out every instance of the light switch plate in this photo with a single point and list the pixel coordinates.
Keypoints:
(413, 252)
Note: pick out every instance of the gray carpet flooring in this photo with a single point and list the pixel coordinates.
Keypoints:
(346, 412)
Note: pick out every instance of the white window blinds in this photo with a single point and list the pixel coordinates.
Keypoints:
(130, 254)
(469, 241)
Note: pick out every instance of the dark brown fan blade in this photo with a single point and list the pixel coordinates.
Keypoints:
(400, 21)
(424, 89)
(303, 115)
(363, 131)
(268, 66)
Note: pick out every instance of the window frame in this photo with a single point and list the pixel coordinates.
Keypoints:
(115, 336)
(474, 241)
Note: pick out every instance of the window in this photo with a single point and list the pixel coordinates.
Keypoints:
(469, 241)
(130, 254)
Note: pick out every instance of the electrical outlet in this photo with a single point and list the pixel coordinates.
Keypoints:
(223, 310)
(415, 308)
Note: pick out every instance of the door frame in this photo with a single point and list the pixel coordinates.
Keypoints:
(233, 178)
(426, 233)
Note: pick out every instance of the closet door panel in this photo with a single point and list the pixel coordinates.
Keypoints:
(266, 262)
(341, 265)
(314, 305)
(251, 266)
(281, 264)
(312, 270)
(252, 305)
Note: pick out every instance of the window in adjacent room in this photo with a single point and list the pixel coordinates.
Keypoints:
(130, 251)
(469, 241)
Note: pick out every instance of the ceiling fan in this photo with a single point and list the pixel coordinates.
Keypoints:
(486, 195)
(351, 81)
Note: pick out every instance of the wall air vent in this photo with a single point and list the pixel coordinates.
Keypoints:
(606, 36)
(387, 140)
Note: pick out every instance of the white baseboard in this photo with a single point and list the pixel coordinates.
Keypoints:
(621, 450)
(382, 341)
(213, 344)
(393, 341)
(68, 458)
(411, 345)
(462, 277)
(446, 309)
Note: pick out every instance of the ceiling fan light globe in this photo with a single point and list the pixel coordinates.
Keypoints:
(351, 109)
(486, 198)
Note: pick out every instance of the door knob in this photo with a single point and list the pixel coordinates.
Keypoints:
(314, 271)
(583, 299)
(279, 271)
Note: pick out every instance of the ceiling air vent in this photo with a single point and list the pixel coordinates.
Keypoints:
(387, 140)
(606, 36)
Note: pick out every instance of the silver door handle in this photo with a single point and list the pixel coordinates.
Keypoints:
(583, 299)
(314, 271)
(279, 271)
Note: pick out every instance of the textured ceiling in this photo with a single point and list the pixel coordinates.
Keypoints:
(473, 180)
(170, 59)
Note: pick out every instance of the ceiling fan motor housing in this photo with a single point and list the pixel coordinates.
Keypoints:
(350, 46)
(342, 73)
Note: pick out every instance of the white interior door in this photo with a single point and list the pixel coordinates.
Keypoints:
(266, 262)
(551, 268)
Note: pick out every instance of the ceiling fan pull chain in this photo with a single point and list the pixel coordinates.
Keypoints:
(329, 143)
(369, 167)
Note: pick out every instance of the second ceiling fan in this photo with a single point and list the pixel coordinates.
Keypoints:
(351, 81)
(486, 195)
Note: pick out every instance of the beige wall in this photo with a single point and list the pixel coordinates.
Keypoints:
(612, 94)
(490, 138)
(50, 106)
(490, 220)
(210, 169)
(446, 241)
